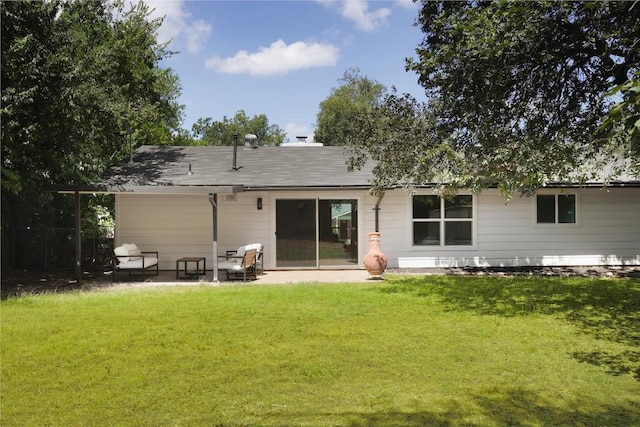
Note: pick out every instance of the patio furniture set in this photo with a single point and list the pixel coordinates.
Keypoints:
(243, 263)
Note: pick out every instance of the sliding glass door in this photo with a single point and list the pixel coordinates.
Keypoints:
(296, 233)
(338, 233)
(316, 233)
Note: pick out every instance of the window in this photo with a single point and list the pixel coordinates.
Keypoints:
(556, 209)
(442, 222)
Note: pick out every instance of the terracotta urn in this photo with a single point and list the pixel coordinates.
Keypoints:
(375, 261)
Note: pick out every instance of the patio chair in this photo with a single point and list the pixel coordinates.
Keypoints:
(128, 257)
(242, 249)
(240, 265)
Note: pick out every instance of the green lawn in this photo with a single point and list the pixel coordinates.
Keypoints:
(436, 350)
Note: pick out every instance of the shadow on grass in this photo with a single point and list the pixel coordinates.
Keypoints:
(512, 407)
(604, 308)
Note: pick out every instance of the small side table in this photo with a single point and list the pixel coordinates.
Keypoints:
(187, 260)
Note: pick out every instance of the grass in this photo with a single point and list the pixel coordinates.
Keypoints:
(416, 350)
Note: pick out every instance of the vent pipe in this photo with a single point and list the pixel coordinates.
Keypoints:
(235, 153)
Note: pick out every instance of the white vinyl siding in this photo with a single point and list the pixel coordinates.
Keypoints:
(607, 229)
(182, 225)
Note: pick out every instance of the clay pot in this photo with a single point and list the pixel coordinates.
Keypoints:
(375, 261)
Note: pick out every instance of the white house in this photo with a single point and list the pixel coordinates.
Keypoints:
(170, 199)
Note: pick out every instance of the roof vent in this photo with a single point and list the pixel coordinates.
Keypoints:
(251, 140)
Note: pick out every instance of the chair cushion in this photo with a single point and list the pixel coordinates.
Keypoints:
(256, 246)
(128, 252)
(122, 254)
(130, 246)
(135, 254)
(137, 263)
(229, 265)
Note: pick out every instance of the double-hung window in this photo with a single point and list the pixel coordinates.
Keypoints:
(556, 208)
(442, 222)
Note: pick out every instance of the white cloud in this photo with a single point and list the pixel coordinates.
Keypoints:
(358, 12)
(277, 59)
(409, 4)
(197, 35)
(178, 26)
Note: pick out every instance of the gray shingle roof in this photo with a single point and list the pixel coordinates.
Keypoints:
(258, 168)
(165, 169)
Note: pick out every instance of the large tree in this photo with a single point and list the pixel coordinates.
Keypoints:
(395, 130)
(209, 132)
(521, 86)
(518, 91)
(355, 95)
(80, 81)
(399, 133)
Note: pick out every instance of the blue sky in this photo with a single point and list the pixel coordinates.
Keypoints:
(282, 58)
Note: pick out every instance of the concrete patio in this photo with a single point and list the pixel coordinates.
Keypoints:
(168, 278)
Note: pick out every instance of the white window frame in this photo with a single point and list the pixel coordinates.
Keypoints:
(557, 193)
(442, 221)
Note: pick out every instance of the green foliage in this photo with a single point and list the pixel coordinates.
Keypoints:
(412, 351)
(519, 87)
(622, 125)
(356, 95)
(399, 135)
(208, 132)
(395, 130)
(79, 78)
(75, 80)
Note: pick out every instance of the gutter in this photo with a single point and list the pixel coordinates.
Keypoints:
(305, 187)
(377, 213)
(151, 189)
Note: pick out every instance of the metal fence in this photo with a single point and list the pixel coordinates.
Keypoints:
(55, 249)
